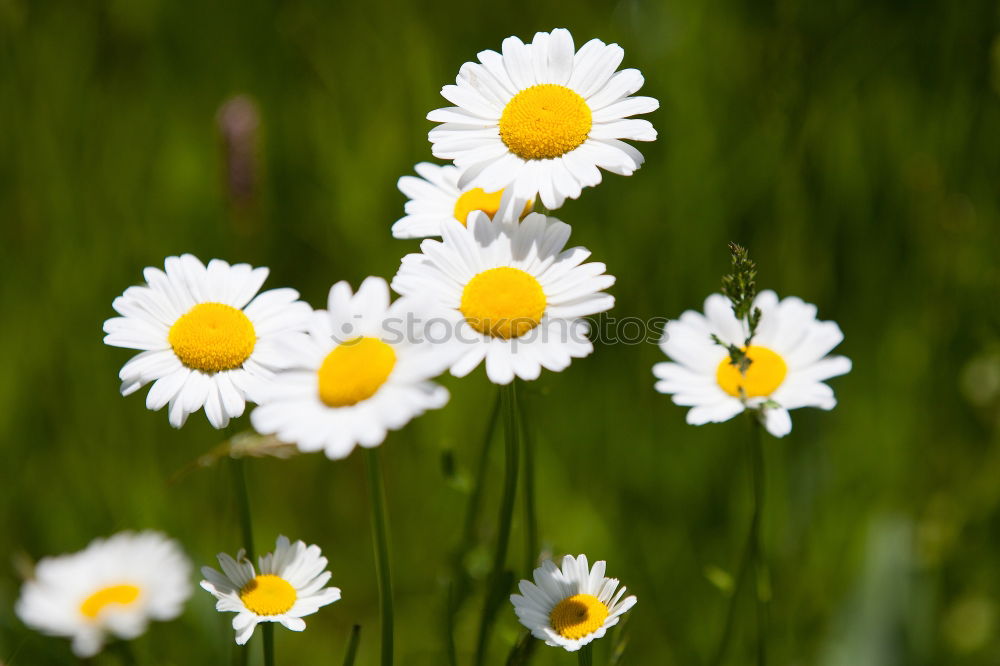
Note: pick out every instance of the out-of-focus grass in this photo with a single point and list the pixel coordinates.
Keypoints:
(852, 146)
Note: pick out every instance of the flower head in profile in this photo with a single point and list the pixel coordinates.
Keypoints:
(115, 586)
(287, 585)
(788, 361)
(207, 338)
(571, 606)
(508, 293)
(357, 373)
(541, 118)
(435, 197)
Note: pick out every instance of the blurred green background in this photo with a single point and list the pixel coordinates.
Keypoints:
(851, 145)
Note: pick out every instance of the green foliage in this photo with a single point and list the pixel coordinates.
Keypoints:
(852, 146)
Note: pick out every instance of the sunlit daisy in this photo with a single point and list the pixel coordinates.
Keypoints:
(542, 118)
(361, 370)
(508, 293)
(788, 355)
(208, 339)
(436, 197)
(288, 587)
(114, 586)
(571, 606)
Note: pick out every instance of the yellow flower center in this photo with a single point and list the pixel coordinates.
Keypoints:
(354, 371)
(477, 199)
(268, 594)
(578, 616)
(211, 337)
(545, 121)
(766, 372)
(503, 302)
(121, 595)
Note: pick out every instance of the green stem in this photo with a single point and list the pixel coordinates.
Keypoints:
(752, 559)
(727, 630)
(243, 504)
(761, 589)
(498, 583)
(482, 466)
(352, 645)
(380, 537)
(246, 528)
(530, 516)
(125, 653)
(586, 655)
(268, 644)
(458, 586)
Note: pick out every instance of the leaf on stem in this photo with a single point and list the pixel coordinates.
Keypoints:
(720, 578)
(247, 444)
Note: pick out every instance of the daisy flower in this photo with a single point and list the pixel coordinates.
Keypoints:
(114, 586)
(788, 355)
(509, 293)
(356, 374)
(208, 339)
(436, 197)
(571, 606)
(288, 587)
(541, 118)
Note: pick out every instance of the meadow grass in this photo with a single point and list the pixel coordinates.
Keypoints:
(852, 146)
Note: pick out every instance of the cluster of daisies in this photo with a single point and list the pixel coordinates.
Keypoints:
(493, 284)
(115, 586)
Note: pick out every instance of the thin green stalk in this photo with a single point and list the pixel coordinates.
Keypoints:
(586, 654)
(125, 653)
(498, 581)
(482, 466)
(243, 504)
(352, 645)
(530, 516)
(752, 559)
(268, 644)
(380, 538)
(451, 607)
(246, 528)
(727, 630)
(761, 591)
(520, 654)
(458, 586)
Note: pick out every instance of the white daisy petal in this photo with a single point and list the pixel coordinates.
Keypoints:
(626, 128)
(469, 99)
(777, 421)
(560, 56)
(596, 77)
(626, 107)
(166, 388)
(619, 87)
